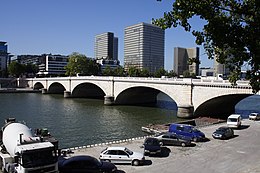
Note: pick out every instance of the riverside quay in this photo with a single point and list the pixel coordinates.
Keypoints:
(239, 154)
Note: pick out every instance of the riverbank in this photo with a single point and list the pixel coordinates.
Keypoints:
(19, 90)
(216, 156)
(198, 122)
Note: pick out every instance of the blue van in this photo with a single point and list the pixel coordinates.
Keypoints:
(187, 131)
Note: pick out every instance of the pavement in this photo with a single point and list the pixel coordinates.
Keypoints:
(240, 154)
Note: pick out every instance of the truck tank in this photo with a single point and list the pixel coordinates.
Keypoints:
(15, 134)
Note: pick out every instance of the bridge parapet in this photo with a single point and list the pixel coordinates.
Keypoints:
(188, 93)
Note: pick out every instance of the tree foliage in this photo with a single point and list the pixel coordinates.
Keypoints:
(160, 72)
(231, 32)
(80, 64)
(15, 69)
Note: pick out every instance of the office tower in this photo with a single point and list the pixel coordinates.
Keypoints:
(3, 58)
(144, 47)
(181, 60)
(106, 46)
(220, 68)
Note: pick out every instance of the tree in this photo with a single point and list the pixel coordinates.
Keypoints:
(145, 72)
(230, 34)
(108, 71)
(133, 72)
(172, 74)
(80, 64)
(119, 71)
(31, 68)
(160, 72)
(16, 69)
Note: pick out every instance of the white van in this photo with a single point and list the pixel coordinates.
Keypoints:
(234, 120)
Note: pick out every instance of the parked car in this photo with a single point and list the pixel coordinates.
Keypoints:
(83, 163)
(152, 146)
(234, 120)
(223, 133)
(254, 116)
(187, 131)
(122, 155)
(173, 139)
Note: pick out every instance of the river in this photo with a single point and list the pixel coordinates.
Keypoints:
(79, 121)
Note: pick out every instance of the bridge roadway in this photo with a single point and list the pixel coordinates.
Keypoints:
(237, 155)
(193, 97)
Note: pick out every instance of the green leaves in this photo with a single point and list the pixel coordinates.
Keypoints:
(80, 64)
(231, 32)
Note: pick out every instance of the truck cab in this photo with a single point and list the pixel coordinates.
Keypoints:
(21, 152)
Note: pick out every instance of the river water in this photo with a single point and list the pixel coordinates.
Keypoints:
(79, 121)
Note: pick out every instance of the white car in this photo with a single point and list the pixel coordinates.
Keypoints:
(254, 116)
(122, 155)
(234, 121)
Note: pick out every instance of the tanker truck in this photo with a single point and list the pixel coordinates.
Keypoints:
(22, 152)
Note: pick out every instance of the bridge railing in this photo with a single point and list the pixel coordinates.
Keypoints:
(148, 79)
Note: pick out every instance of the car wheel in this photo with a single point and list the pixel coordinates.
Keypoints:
(183, 144)
(135, 162)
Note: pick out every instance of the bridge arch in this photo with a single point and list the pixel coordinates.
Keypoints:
(38, 85)
(221, 106)
(140, 95)
(56, 88)
(88, 90)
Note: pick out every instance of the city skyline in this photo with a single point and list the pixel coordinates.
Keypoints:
(64, 27)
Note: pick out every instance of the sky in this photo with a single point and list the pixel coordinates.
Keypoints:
(67, 26)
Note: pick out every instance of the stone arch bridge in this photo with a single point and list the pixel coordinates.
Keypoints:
(194, 97)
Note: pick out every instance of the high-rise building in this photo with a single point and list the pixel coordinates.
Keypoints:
(220, 68)
(3, 58)
(181, 60)
(106, 46)
(144, 47)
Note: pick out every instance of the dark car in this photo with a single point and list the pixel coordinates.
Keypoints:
(187, 131)
(83, 163)
(223, 133)
(152, 146)
(174, 139)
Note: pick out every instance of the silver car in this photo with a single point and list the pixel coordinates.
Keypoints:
(122, 155)
(254, 116)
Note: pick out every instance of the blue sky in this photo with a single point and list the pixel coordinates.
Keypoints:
(66, 26)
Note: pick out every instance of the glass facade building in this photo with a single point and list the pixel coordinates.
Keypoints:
(3, 57)
(144, 47)
(106, 46)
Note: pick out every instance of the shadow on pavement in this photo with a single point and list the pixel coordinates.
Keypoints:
(165, 152)
(147, 162)
(242, 127)
(206, 140)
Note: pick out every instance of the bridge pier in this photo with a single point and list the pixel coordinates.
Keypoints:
(44, 91)
(108, 100)
(185, 111)
(67, 94)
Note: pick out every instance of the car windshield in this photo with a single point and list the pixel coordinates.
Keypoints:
(232, 120)
(220, 130)
(194, 129)
(128, 151)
